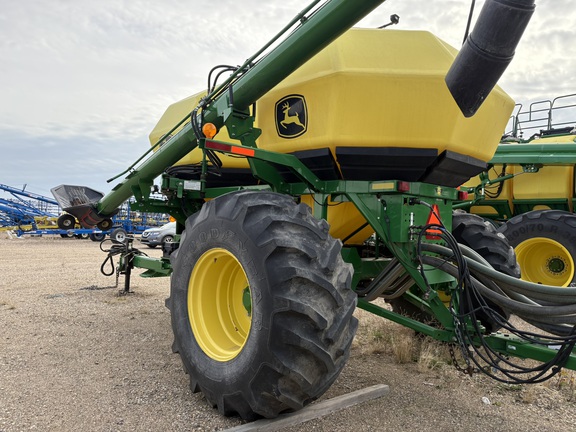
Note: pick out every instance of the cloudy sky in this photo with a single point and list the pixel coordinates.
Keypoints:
(83, 82)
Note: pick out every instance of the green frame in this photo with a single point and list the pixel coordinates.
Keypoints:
(387, 208)
(531, 157)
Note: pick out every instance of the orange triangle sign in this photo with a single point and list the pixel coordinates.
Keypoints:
(433, 218)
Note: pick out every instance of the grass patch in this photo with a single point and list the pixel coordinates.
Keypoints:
(377, 335)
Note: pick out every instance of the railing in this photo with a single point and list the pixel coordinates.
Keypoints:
(542, 117)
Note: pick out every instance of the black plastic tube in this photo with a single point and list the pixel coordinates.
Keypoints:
(487, 52)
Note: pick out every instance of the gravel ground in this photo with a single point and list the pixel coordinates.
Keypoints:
(76, 356)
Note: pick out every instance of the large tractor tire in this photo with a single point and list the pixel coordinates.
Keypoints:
(481, 236)
(261, 305)
(545, 245)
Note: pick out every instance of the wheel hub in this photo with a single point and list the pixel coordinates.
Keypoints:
(545, 261)
(556, 265)
(219, 304)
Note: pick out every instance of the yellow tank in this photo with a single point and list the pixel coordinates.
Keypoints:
(552, 185)
(499, 197)
(176, 112)
(378, 101)
(373, 105)
(550, 182)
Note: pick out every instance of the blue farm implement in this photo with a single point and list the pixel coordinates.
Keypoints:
(29, 213)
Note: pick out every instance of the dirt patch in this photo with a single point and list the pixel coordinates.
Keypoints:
(76, 356)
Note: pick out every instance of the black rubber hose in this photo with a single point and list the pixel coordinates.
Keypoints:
(487, 52)
(546, 294)
(508, 303)
(524, 286)
(559, 330)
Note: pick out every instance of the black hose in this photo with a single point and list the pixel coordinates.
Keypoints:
(472, 290)
(117, 249)
(504, 301)
(487, 52)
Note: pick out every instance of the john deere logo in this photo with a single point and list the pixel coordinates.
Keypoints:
(291, 116)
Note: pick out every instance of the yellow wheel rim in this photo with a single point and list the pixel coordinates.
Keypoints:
(545, 261)
(219, 304)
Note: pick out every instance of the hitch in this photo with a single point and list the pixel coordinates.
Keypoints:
(126, 262)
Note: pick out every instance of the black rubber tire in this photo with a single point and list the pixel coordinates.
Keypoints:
(118, 235)
(481, 236)
(555, 225)
(168, 239)
(81, 236)
(302, 322)
(152, 246)
(66, 221)
(105, 224)
(97, 237)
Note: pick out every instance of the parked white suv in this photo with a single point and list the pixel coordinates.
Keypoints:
(153, 237)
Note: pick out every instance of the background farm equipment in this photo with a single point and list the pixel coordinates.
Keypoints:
(318, 196)
(29, 213)
(16, 214)
(529, 190)
(26, 210)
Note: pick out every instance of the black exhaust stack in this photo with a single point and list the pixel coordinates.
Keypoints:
(487, 52)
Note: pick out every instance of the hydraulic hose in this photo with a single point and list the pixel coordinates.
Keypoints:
(564, 295)
(519, 285)
(559, 330)
(508, 303)
(476, 291)
(553, 314)
(560, 325)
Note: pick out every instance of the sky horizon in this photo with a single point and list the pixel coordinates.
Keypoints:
(83, 83)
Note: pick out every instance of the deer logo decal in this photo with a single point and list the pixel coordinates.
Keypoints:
(291, 116)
